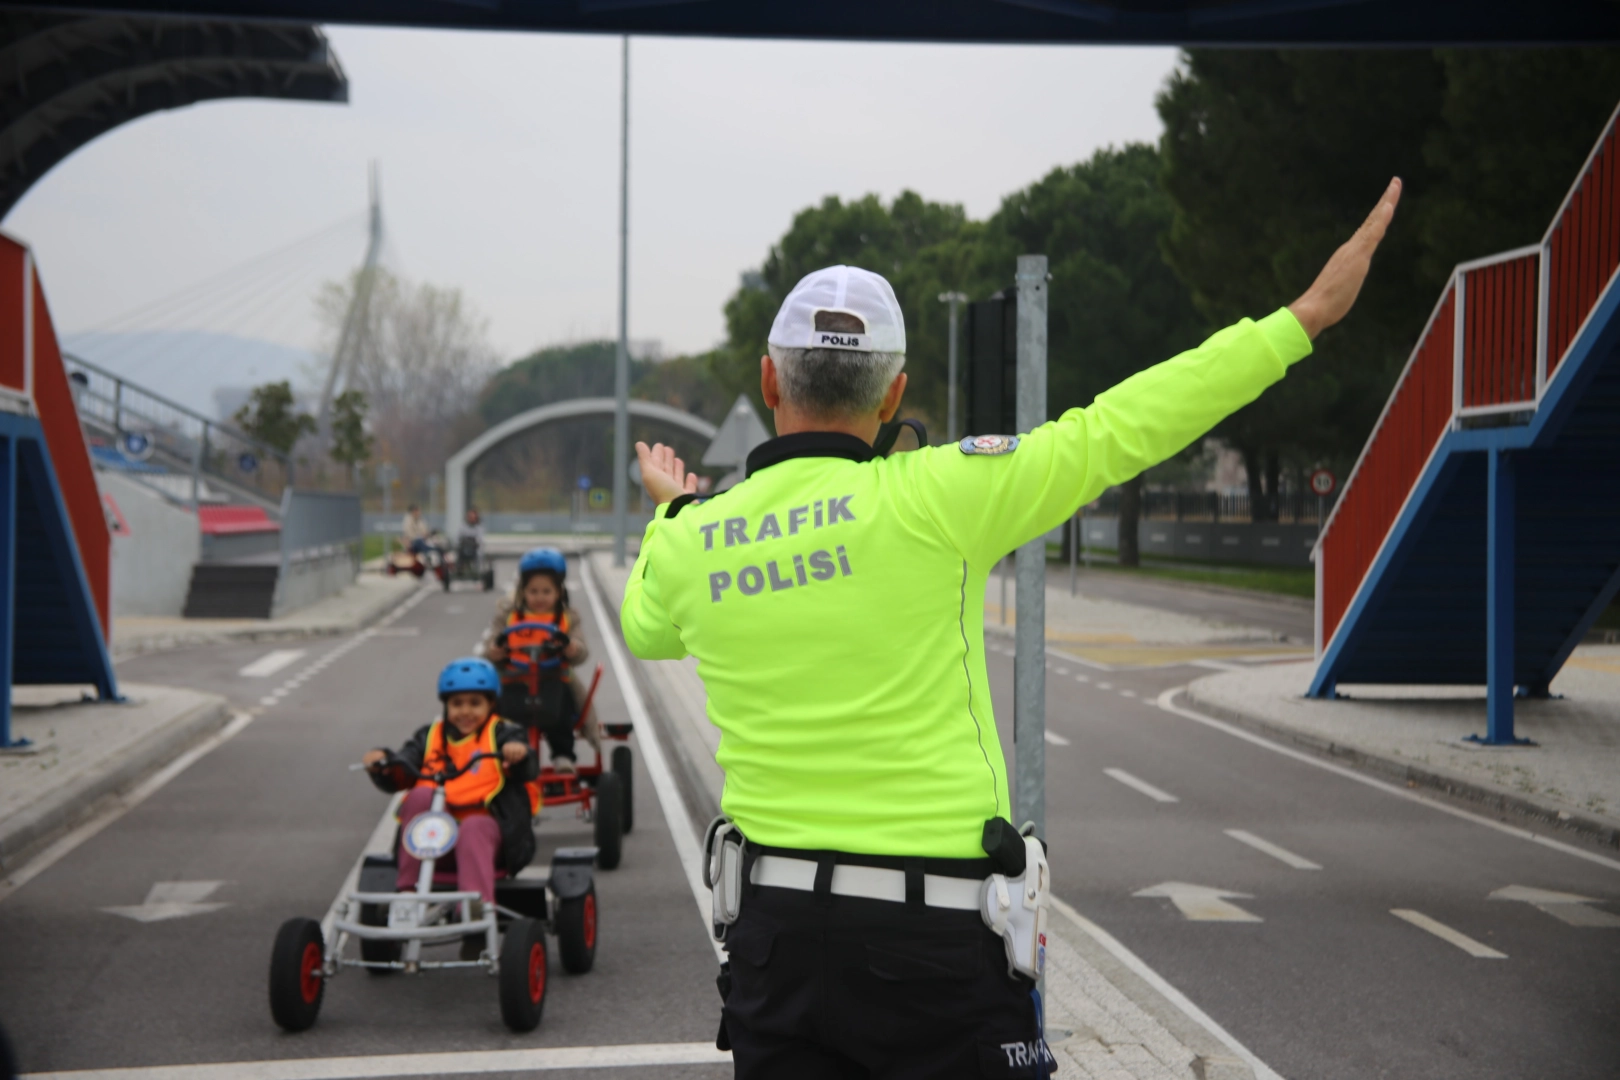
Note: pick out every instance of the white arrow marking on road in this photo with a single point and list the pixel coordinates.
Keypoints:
(1565, 907)
(270, 663)
(172, 900)
(1055, 739)
(1271, 849)
(1143, 786)
(1446, 933)
(1202, 903)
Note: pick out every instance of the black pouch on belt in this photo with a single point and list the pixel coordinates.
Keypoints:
(722, 1041)
(1004, 846)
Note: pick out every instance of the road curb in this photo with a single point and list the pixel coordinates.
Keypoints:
(25, 832)
(1405, 772)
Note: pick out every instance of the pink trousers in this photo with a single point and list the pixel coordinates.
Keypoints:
(473, 859)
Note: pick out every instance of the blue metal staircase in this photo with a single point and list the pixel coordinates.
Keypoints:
(1478, 538)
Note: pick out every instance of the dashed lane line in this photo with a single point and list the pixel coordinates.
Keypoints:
(271, 662)
(121, 806)
(1446, 933)
(1055, 739)
(458, 1063)
(1156, 794)
(1166, 701)
(1281, 854)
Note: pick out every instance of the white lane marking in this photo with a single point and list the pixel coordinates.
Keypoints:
(269, 699)
(1446, 933)
(457, 1063)
(1167, 703)
(1568, 908)
(1279, 853)
(1202, 903)
(1114, 947)
(1105, 686)
(271, 662)
(1156, 794)
(1082, 678)
(1061, 670)
(1055, 739)
(173, 900)
(56, 851)
(1127, 693)
(381, 842)
(652, 750)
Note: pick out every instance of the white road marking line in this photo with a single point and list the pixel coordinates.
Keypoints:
(1202, 903)
(1127, 693)
(1567, 908)
(1446, 933)
(1105, 686)
(269, 699)
(443, 1064)
(381, 842)
(1156, 794)
(1281, 854)
(1166, 701)
(58, 850)
(1124, 955)
(173, 900)
(1061, 670)
(652, 751)
(1055, 739)
(271, 662)
(1082, 678)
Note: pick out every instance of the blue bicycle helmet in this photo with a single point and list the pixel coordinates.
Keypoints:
(543, 559)
(470, 674)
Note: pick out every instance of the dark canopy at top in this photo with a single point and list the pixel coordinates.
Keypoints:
(1164, 22)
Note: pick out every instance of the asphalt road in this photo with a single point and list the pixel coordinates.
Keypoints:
(1293, 619)
(1325, 983)
(276, 817)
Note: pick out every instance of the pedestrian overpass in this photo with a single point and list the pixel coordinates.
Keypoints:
(1478, 537)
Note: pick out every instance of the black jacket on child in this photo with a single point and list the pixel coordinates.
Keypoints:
(509, 808)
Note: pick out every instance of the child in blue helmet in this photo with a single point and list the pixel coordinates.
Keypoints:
(489, 799)
(552, 703)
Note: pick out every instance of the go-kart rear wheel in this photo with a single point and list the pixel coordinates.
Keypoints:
(621, 769)
(523, 974)
(576, 932)
(488, 578)
(608, 808)
(297, 984)
(378, 952)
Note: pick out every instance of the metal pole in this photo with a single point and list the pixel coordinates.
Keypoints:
(1074, 552)
(8, 583)
(951, 429)
(621, 361)
(1500, 635)
(1029, 664)
(196, 466)
(118, 406)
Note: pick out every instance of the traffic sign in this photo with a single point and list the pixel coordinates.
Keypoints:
(246, 462)
(600, 498)
(1323, 482)
(584, 483)
(135, 445)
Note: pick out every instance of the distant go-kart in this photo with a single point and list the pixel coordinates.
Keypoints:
(402, 560)
(468, 563)
(603, 793)
(393, 928)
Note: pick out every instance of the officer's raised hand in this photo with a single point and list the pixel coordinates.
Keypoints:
(663, 474)
(1335, 289)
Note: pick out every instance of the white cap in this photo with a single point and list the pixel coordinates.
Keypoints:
(848, 290)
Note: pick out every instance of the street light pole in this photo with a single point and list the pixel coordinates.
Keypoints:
(621, 360)
(954, 433)
(1029, 635)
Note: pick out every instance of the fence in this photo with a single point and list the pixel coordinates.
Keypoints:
(1291, 507)
(320, 546)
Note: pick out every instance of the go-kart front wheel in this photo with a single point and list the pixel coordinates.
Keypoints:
(576, 932)
(378, 951)
(523, 974)
(297, 984)
(607, 806)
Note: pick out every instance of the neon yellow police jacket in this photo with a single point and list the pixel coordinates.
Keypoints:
(835, 601)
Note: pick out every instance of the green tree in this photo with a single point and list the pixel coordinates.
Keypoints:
(351, 442)
(270, 417)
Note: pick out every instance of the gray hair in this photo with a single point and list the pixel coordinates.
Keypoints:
(834, 382)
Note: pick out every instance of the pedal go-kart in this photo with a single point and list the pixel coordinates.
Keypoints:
(403, 560)
(602, 791)
(467, 563)
(393, 928)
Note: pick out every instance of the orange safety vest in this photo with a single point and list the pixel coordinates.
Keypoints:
(524, 639)
(472, 790)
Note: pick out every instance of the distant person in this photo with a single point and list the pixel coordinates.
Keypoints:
(414, 531)
(473, 525)
(883, 914)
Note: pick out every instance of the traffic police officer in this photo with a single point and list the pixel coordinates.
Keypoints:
(834, 603)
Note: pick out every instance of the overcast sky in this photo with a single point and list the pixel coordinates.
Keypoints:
(499, 159)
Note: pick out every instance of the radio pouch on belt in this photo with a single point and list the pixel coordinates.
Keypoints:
(722, 872)
(1015, 909)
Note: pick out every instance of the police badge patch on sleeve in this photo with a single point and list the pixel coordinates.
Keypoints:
(989, 445)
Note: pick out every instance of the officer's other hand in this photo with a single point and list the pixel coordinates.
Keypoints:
(514, 752)
(663, 474)
(1334, 292)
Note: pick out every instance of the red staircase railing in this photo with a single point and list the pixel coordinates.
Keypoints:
(1492, 346)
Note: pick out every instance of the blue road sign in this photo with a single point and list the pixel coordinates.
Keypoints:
(246, 462)
(135, 445)
(584, 483)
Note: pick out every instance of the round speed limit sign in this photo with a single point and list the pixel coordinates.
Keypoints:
(1323, 482)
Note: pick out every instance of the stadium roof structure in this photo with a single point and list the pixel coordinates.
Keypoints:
(65, 79)
(1117, 22)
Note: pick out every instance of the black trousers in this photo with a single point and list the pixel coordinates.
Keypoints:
(552, 713)
(844, 987)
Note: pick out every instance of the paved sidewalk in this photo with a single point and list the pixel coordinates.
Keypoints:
(368, 598)
(1571, 777)
(86, 752)
(1104, 1020)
